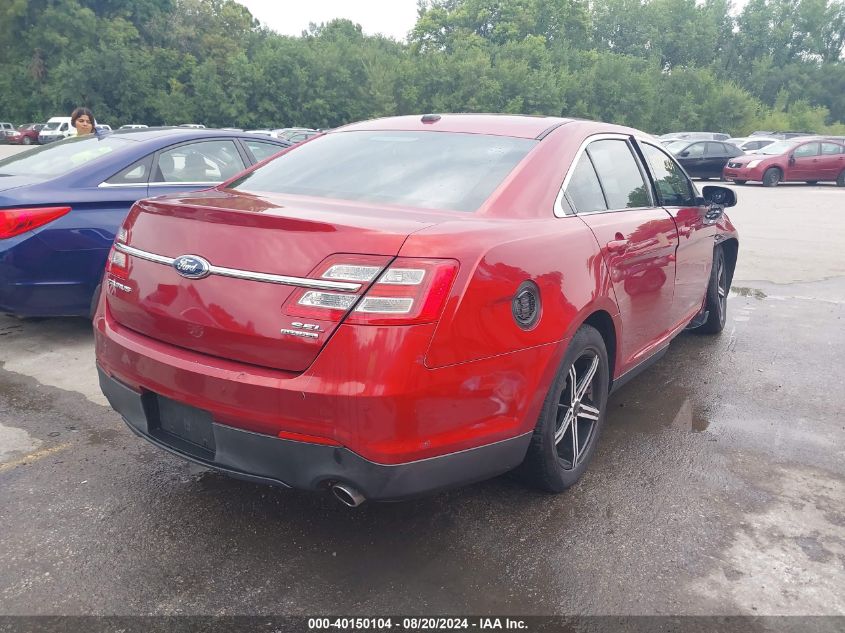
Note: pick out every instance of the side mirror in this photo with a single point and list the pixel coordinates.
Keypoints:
(684, 153)
(792, 159)
(720, 196)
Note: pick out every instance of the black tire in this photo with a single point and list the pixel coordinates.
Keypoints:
(95, 300)
(740, 182)
(771, 177)
(27, 140)
(557, 455)
(716, 302)
(840, 181)
(812, 182)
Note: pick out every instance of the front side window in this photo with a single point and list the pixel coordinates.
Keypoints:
(810, 149)
(584, 189)
(619, 174)
(693, 151)
(204, 161)
(674, 189)
(433, 170)
(49, 161)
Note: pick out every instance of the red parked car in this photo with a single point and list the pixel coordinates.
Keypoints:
(805, 160)
(25, 134)
(411, 303)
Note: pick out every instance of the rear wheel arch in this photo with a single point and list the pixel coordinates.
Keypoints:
(603, 322)
(731, 249)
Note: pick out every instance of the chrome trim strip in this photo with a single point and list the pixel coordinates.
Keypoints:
(193, 183)
(248, 275)
(150, 257)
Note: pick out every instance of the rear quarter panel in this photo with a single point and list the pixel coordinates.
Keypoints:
(560, 255)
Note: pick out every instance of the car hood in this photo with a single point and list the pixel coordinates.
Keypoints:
(744, 159)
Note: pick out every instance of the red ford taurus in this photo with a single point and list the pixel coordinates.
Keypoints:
(411, 303)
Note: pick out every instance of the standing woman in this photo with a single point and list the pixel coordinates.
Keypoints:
(83, 120)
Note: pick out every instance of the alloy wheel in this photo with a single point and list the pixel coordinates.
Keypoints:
(577, 413)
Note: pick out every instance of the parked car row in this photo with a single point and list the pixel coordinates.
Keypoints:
(766, 159)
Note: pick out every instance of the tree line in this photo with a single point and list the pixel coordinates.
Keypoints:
(658, 65)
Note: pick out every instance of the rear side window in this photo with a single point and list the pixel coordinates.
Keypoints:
(673, 187)
(620, 176)
(137, 173)
(832, 148)
(584, 189)
(262, 150)
(433, 170)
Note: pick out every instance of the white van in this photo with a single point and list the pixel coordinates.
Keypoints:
(57, 128)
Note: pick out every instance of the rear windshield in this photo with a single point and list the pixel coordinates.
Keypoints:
(432, 170)
(49, 161)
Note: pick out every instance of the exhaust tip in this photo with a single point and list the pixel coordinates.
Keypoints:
(348, 495)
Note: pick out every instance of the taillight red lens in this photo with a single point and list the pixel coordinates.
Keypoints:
(410, 291)
(332, 305)
(16, 221)
(118, 263)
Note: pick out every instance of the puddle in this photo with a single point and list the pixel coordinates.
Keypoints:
(748, 292)
(649, 413)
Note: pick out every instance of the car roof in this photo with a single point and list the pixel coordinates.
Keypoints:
(176, 133)
(519, 126)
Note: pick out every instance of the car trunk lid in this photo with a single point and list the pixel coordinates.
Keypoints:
(241, 310)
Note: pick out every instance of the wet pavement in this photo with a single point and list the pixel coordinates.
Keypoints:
(718, 486)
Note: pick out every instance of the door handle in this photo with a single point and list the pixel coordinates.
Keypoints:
(617, 246)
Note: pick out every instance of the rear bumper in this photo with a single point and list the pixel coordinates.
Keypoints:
(271, 460)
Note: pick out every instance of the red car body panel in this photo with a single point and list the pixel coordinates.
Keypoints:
(398, 394)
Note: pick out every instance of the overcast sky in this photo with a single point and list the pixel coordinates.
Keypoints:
(393, 18)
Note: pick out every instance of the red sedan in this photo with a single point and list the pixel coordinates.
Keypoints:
(411, 303)
(805, 160)
(25, 134)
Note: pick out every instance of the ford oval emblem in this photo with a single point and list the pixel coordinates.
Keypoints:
(192, 266)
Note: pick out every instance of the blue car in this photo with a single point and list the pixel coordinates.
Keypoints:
(61, 204)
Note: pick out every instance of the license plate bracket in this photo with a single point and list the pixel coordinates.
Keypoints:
(187, 429)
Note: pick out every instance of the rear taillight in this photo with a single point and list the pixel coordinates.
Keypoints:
(118, 261)
(16, 221)
(409, 291)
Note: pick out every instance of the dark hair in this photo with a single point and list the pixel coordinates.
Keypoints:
(82, 112)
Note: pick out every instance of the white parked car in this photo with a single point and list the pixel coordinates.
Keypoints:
(57, 128)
